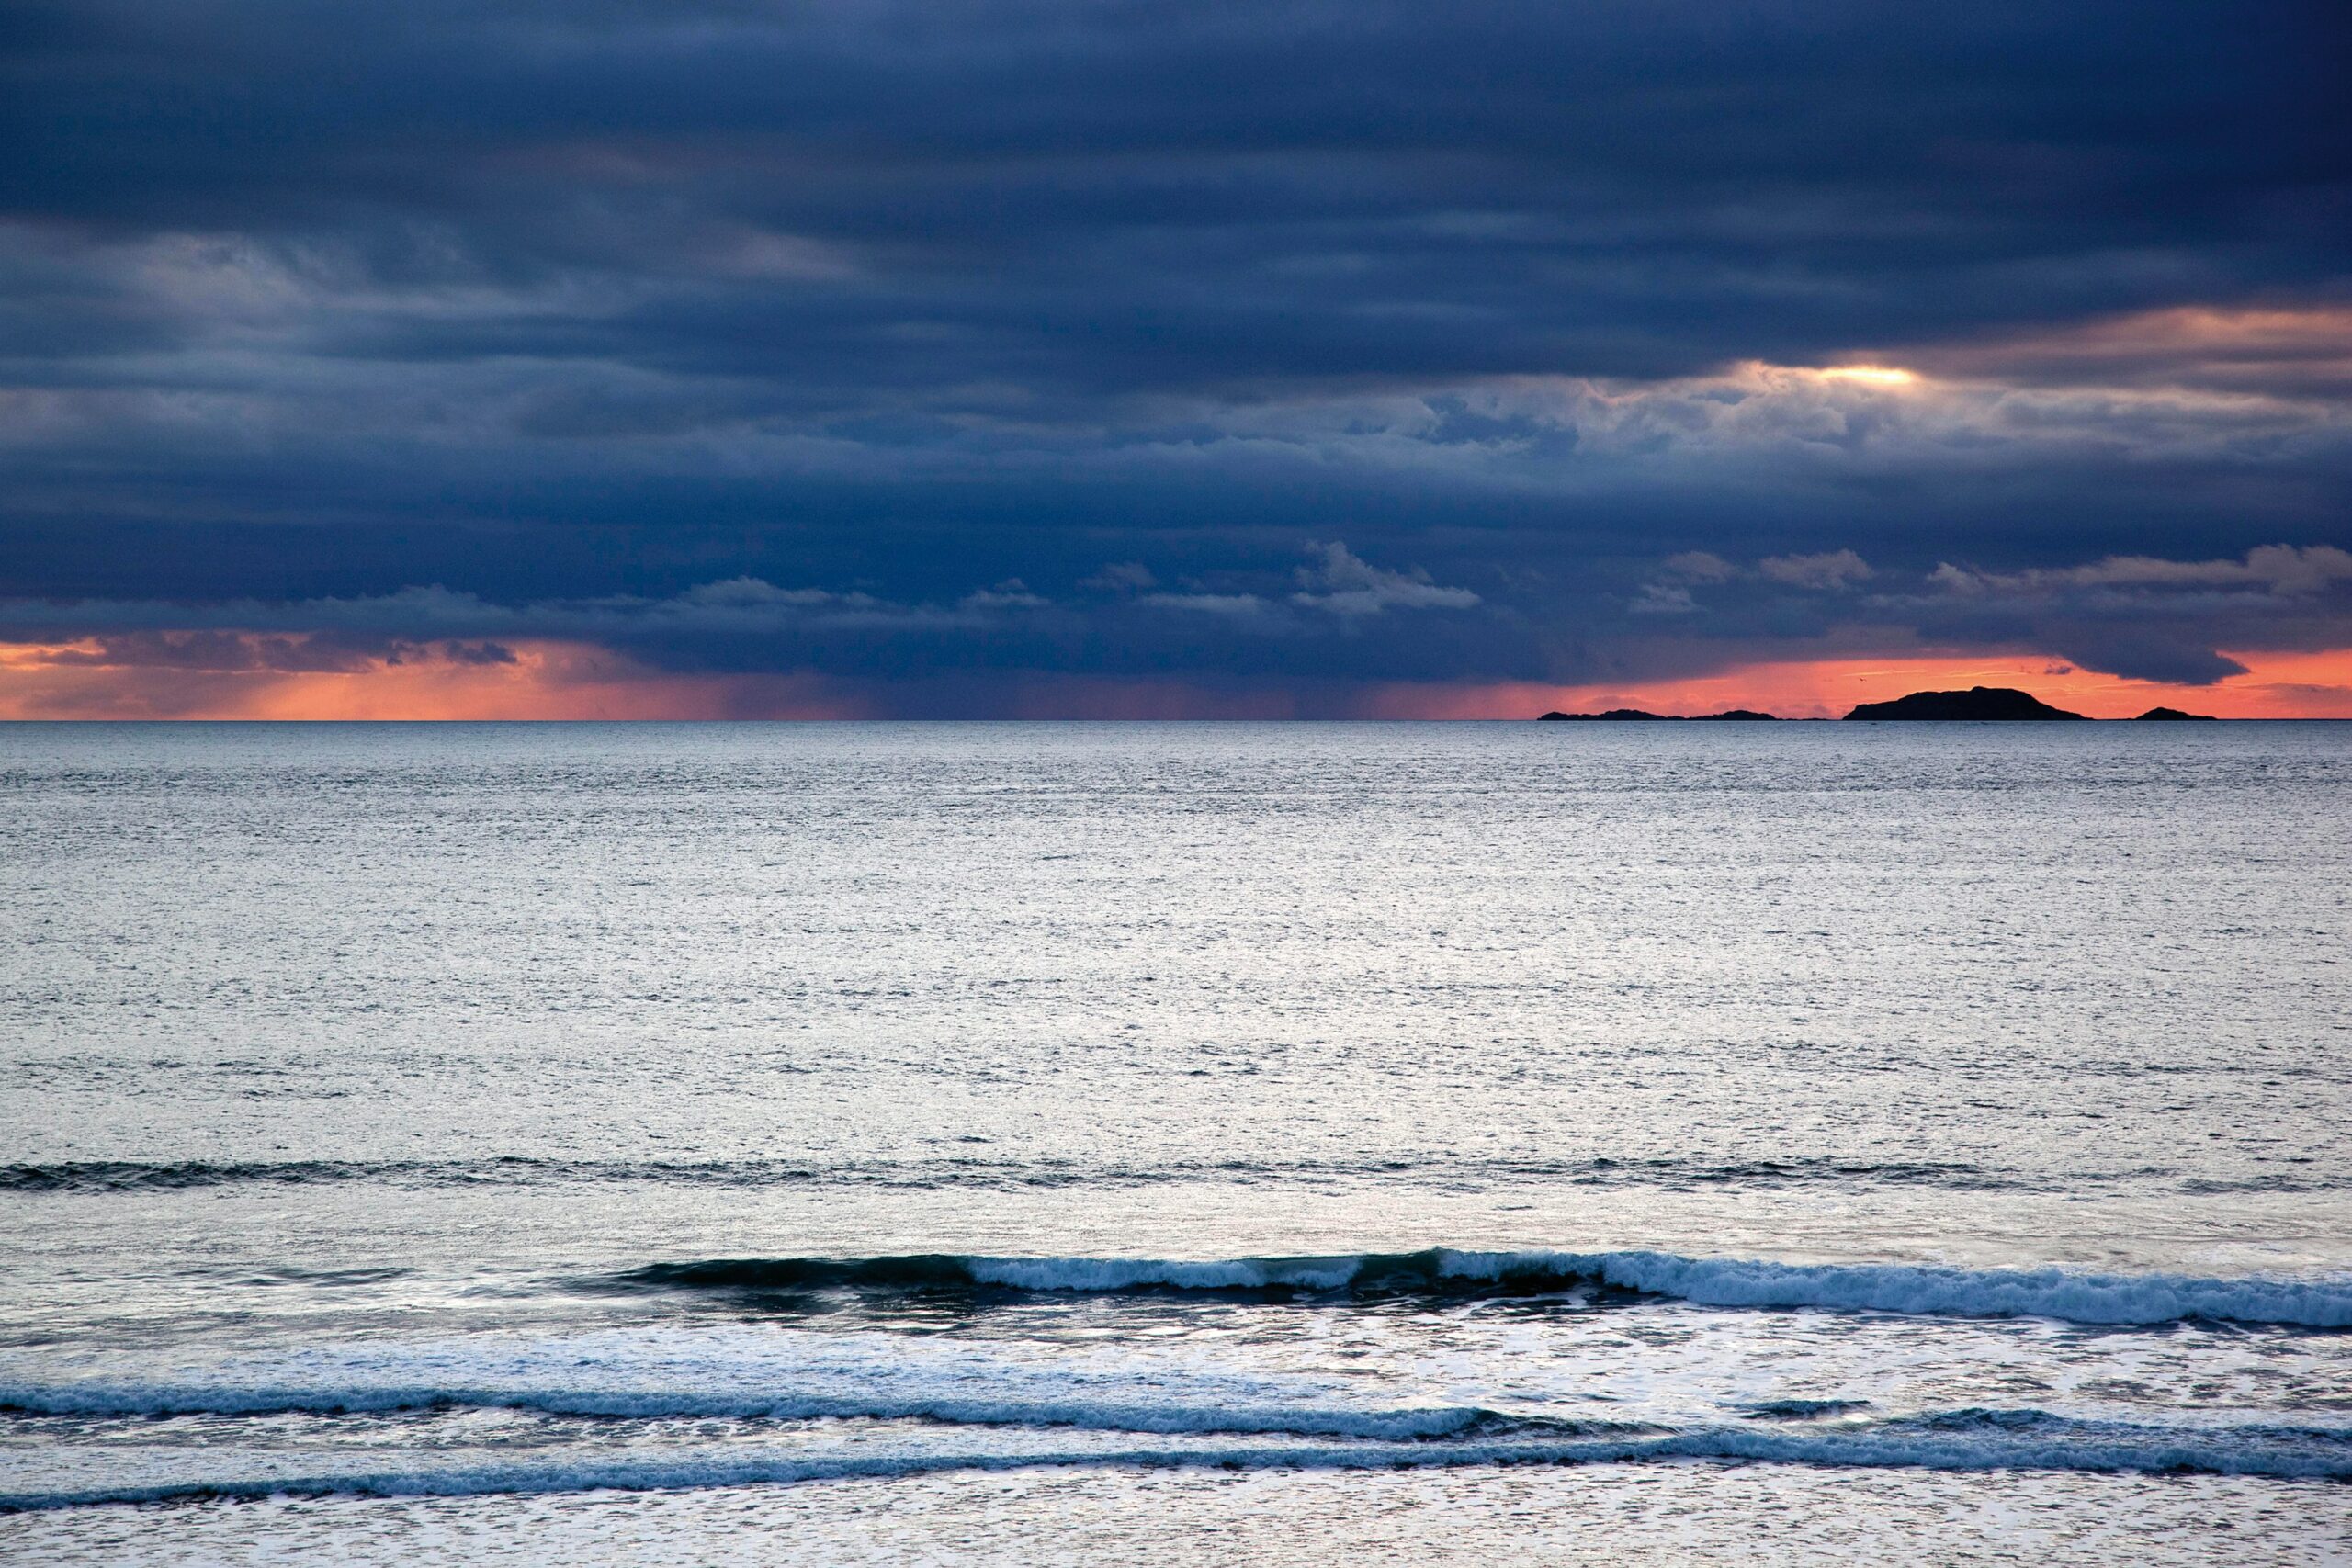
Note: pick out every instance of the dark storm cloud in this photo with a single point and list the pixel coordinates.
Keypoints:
(2158, 620)
(1332, 614)
(308, 305)
(1129, 196)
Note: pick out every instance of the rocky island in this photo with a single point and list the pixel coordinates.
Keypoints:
(1977, 703)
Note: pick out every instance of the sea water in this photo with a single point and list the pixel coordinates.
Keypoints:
(1192, 1143)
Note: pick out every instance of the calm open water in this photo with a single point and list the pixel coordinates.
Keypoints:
(1199, 1143)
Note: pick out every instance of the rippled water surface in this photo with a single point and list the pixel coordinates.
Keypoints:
(1080, 1141)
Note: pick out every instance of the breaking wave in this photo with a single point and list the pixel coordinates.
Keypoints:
(1911, 1289)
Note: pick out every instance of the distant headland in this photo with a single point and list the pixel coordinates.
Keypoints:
(1979, 704)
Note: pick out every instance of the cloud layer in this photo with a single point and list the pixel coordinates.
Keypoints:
(916, 343)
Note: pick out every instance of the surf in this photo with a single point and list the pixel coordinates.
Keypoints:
(1905, 1288)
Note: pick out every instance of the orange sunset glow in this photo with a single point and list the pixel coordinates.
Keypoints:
(544, 681)
(555, 681)
(2276, 685)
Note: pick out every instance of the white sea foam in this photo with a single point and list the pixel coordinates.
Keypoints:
(1263, 1380)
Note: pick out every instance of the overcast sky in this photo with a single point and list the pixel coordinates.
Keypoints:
(938, 352)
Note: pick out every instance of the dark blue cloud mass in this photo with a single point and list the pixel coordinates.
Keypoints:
(1257, 343)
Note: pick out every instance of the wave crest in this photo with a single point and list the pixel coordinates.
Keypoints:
(1925, 1290)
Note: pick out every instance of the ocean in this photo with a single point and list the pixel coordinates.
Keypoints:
(1191, 1143)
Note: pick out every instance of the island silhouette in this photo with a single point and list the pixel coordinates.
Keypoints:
(1978, 703)
(2000, 703)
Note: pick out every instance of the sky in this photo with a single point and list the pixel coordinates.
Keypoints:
(693, 358)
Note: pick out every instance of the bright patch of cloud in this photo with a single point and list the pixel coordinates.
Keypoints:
(1870, 375)
(2280, 352)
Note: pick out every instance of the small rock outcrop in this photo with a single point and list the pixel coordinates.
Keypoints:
(1977, 703)
(1740, 714)
(2175, 713)
(1612, 713)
